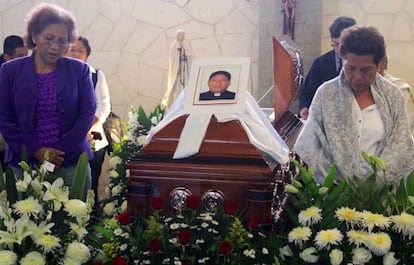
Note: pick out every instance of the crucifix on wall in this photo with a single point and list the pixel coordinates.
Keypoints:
(289, 9)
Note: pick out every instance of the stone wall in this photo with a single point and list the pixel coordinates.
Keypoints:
(130, 38)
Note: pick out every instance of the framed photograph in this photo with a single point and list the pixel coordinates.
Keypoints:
(217, 85)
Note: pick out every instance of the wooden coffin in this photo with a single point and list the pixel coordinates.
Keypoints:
(227, 167)
(288, 79)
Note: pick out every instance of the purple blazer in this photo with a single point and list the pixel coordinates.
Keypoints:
(76, 105)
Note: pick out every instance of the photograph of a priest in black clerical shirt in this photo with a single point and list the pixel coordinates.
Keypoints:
(218, 82)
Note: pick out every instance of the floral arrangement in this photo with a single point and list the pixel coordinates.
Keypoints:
(41, 220)
(139, 125)
(187, 236)
(355, 222)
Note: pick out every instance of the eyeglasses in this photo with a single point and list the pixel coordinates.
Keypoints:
(50, 40)
(335, 44)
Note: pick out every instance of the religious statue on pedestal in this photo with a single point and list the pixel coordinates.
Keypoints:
(179, 62)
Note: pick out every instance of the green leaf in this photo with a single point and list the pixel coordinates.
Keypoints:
(79, 179)
(410, 184)
(2, 183)
(366, 157)
(143, 118)
(329, 180)
(11, 186)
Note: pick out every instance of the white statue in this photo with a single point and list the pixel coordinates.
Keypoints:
(179, 62)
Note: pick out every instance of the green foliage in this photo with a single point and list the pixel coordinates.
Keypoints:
(77, 189)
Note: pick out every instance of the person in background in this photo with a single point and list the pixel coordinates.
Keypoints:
(325, 67)
(81, 51)
(358, 111)
(13, 47)
(47, 102)
(403, 86)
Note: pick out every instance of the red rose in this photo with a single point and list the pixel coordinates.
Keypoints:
(96, 136)
(119, 261)
(254, 222)
(154, 245)
(184, 236)
(225, 248)
(229, 208)
(156, 203)
(193, 202)
(124, 218)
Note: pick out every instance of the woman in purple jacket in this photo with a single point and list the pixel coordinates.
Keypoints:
(47, 101)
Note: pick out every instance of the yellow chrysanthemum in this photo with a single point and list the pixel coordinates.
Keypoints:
(348, 215)
(48, 242)
(357, 238)
(370, 220)
(379, 243)
(310, 216)
(29, 206)
(404, 224)
(326, 238)
(299, 235)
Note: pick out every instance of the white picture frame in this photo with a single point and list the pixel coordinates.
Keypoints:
(201, 69)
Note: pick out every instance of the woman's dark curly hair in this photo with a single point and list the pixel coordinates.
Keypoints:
(363, 40)
(44, 15)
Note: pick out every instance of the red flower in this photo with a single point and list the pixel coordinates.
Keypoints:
(156, 203)
(229, 208)
(254, 222)
(119, 261)
(225, 248)
(184, 236)
(97, 263)
(193, 202)
(124, 218)
(96, 136)
(154, 245)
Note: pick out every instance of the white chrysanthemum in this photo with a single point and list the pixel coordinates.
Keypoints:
(8, 257)
(56, 192)
(47, 242)
(299, 235)
(29, 206)
(76, 208)
(336, 256)
(116, 190)
(327, 238)
(109, 209)
(349, 216)
(308, 255)
(379, 243)
(78, 251)
(389, 259)
(115, 161)
(310, 216)
(361, 256)
(404, 224)
(33, 258)
(69, 261)
(370, 220)
(113, 174)
(357, 238)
